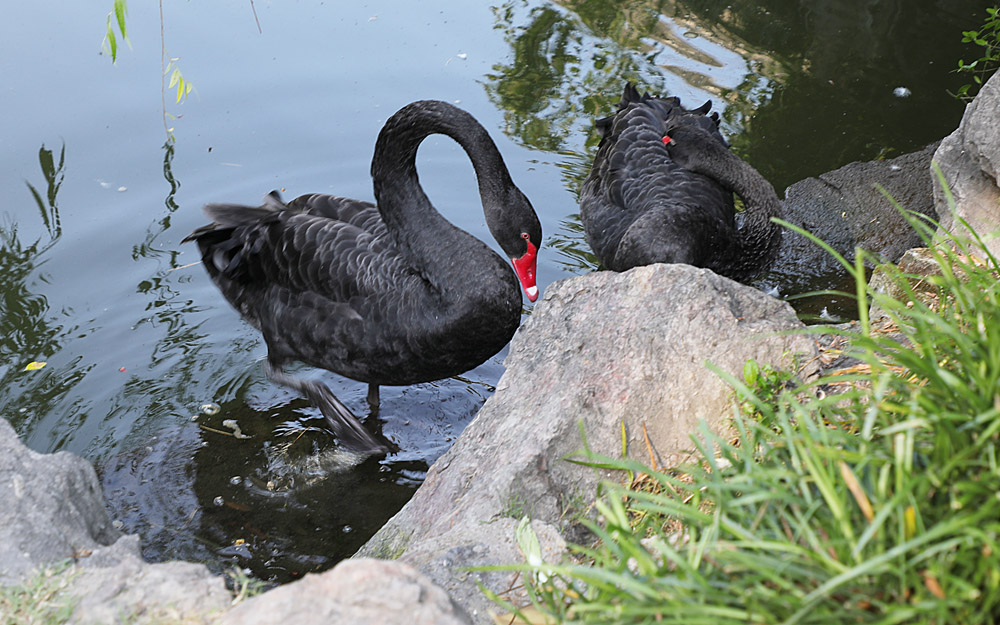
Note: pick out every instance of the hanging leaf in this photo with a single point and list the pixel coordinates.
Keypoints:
(110, 44)
(34, 366)
(120, 12)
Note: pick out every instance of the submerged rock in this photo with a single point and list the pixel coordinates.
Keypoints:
(846, 209)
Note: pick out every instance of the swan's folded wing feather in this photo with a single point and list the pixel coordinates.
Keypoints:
(358, 213)
(337, 259)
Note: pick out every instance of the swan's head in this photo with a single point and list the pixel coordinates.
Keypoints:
(516, 228)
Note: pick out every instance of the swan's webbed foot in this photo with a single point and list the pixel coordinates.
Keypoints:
(345, 425)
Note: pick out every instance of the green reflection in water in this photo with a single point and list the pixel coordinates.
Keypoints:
(562, 74)
(29, 330)
(180, 368)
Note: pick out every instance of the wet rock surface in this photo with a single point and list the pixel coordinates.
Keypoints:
(846, 209)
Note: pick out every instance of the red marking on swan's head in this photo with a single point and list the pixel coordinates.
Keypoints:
(525, 267)
(666, 139)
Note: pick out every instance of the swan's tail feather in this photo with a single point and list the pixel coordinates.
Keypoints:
(225, 216)
(222, 252)
(231, 215)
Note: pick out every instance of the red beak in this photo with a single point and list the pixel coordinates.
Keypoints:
(525, 267)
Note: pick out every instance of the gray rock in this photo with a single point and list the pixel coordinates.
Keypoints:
(51, 511)
(360, 591)
(919, 261)
(115, 585)
(846, 209)
(51, 508)
(602, 352)
(454, 560)
(969, 159)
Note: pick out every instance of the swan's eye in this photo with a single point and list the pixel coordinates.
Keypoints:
(524, 235)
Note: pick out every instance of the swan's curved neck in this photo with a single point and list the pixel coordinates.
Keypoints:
(759, 236)
(404, 206)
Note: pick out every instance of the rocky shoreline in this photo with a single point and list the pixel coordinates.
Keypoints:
(602, 355)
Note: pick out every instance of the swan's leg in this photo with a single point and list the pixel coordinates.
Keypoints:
(373, 400)
(345, 425)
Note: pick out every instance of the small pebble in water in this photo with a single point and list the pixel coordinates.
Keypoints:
(235, 480)
(117, 524)
(209, 409)
(901, 92)
(219, 501)
(347, 529)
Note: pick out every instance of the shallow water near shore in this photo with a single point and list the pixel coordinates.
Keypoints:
(135, 339)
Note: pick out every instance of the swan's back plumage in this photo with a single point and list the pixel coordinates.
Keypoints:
(633, 175)
(639, 205)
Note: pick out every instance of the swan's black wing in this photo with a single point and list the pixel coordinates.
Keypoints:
(358, 213)
(637, 205)
(329, 292)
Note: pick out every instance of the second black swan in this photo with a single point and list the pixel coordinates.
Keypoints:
(392, 294)
(661, 191)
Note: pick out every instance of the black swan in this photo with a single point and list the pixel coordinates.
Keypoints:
(660, 191)
(388, 295)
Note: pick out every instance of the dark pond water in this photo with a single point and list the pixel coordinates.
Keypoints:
(94, 281)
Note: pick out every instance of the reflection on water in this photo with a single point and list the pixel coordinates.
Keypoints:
(571, 245)
(54, 174)
(29, 330)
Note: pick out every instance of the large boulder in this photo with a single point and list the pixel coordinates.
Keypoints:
(969, 158)
(617, 358)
